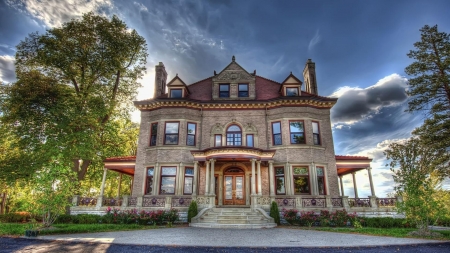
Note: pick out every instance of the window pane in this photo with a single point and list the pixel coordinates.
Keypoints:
(189, 171)
(243, 87)
(297, 138)
(169, 171)
(279, 171)
(277, 139)
(280, 185)
(290, 92)
(191, 140)
(276, 128)
(168, 185)
(153, 140)
(321, 184)
(319, 171)
(172, 128)
(188, 185)
(300, 171)
(191, 128)
(154, 128)
(150, 172)
(315, 127)
(171, 139)
(296, 126)
(250, 140)
(301, 185)
(218, 140)
(224, 87)
(316, 139)
(175, 93)
(233, 128)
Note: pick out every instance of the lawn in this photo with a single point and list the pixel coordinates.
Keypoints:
(393, 232)
(18, 229)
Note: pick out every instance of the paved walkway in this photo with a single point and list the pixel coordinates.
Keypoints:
(277, 237)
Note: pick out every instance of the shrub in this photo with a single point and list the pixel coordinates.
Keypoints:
(291, 216)
(14, 217)
(192, 211)
(324, 218)
(171, 215)
(307, 218)
(385, 222)
(339, 218)
(275, 213)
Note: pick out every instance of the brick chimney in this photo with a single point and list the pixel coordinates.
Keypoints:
(160, 80)
(309, 77)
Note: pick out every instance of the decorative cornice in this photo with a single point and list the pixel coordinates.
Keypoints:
(156, 104)
(233, 152)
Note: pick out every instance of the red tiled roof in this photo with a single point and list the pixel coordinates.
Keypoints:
(201, 90)
(120, 158)
(348, 157)
(266, 88)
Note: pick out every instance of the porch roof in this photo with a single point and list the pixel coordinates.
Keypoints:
(233, 153)
(121, 164)
(349, 164)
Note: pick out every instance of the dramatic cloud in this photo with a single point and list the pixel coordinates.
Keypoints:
(7, 69)
(356, 104)
(55, 13)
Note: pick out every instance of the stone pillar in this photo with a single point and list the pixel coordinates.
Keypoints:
(287, 179)
(313, 176)
(354, 185)
(372, 190)
(207, 178)
(120, 185)
(178, 180)
(259, 177)
(345, 203)
(75, 200)
(125, 200)
(253, 177)
(271, 179)
(156, 178)
(213, 179)
(342, 185)
(195, 183)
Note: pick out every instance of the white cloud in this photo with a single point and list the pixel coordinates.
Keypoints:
(314, 40)
(54, 13)
(141, 6)
(356, 104)
(7, 69)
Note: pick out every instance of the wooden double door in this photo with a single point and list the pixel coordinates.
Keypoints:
(234, 187)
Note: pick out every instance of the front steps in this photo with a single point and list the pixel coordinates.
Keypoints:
(243, 218)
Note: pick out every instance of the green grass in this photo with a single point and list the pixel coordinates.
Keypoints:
(393, 232)
(18, 229)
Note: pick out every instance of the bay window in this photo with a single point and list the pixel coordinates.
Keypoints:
(297, 132)
(168, 175)
(301, 180)
(171, 133)
(276, 133)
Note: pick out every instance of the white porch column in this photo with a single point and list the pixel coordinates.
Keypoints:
(354, 185)
(179, 180)
(342, 186)
(372, 190)
(259, 177)
(207, 178)
(120, 185)
(253, 177)
(213, 181)
(195, 183)
(271, 179)
(288, 179)
(102, 189)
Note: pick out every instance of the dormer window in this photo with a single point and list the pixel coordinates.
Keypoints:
(243, 90)
(176, 93)
(224, 90)
(292, 92)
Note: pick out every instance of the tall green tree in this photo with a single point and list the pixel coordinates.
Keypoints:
(430, 85)
(415, 166)
(73, 92)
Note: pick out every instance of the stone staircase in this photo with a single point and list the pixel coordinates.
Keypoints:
(243, 218)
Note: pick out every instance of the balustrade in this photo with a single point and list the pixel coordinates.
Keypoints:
(386, 202)
(359, 202)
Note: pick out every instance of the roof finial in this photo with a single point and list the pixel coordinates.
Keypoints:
(215, 72)
(233, 58)
(177, 74)
(291, 72)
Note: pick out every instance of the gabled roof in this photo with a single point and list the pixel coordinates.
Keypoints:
(293, 77)
(177, 82)
(233, 62)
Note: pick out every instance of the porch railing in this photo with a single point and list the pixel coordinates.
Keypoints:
(286, 202)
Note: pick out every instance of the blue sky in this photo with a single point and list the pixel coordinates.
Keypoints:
(359, 48)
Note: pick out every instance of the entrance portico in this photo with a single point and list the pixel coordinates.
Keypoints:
(230, 185)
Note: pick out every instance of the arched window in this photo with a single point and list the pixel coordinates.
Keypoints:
(234, 136)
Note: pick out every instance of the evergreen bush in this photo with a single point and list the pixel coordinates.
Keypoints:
(275, 213)
(192, 211)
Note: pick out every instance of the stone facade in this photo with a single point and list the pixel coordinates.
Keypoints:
(213, 113)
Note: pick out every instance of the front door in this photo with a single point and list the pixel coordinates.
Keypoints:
(234, 189)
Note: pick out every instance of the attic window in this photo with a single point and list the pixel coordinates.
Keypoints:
(176, 93)
(291, 92)
(224, 90)
(243, 90)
